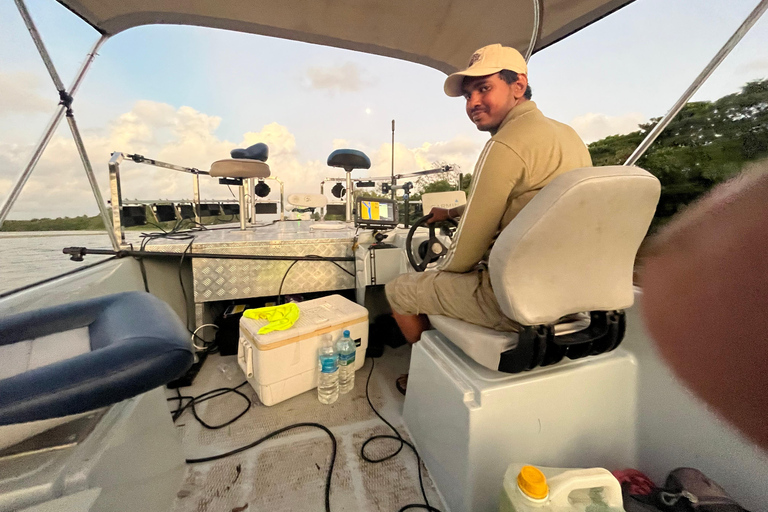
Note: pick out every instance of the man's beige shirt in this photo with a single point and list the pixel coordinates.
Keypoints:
(526, 152)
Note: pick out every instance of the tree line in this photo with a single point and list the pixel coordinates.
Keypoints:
(705, 144)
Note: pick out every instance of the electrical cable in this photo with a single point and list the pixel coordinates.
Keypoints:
(181, 283)
(278, 432)
(319, 258)
(399, 438)
(280, 288)
(206, 343)
(193, 401)
(208, 395)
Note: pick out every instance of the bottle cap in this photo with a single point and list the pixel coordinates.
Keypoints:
(346, 333)
(533, 483)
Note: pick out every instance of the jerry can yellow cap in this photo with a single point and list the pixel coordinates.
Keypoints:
(533, 483)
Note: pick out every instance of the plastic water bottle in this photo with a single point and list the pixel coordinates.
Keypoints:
(346, 349)
(328, 371)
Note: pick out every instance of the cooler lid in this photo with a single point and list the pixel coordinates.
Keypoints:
(317, 316)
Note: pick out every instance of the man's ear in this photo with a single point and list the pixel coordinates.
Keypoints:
(520, 86)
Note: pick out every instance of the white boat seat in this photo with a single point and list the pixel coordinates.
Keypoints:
(570, 251)
(239, 168)
(485, 345)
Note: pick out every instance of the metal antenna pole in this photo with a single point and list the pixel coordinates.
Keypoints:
(716, 60)
(65, 98)
(393, 160)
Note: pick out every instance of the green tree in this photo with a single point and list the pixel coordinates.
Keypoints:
(705, 144)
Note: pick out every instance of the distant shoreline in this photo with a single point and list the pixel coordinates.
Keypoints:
(82, 223)
(41, 233)
(93, 224)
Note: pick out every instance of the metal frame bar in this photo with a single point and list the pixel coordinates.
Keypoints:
(243, 204)
(415, 174)
(65, 103)
(282, 195)
(537, 21)
(140, 159)
(116, 196)
(737, 36)
(348, 206)
(91, 178)
(148, 202)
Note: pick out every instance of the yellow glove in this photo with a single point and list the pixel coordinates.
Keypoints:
(280, 317)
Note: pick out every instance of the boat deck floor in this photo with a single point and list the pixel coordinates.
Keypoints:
(288, 472)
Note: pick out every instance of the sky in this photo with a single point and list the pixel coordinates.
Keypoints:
(188, 95)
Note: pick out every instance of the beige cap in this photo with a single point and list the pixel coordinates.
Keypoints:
(486, 61)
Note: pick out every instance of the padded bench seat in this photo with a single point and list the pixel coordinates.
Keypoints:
(127, 344)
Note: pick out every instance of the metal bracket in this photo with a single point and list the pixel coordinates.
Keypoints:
(539, 346)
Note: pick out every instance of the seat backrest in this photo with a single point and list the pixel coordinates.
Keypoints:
(573, 247)
(450, 199)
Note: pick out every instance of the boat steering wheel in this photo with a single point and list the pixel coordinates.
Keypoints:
(431, 249)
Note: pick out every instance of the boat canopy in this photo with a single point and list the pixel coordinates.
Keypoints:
(438, 33)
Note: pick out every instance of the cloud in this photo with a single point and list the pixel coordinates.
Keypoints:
(182, 136)
(19, 95)
(298, 175)
(340, 144)
(461, 152)
(592, 126)
(344, 78)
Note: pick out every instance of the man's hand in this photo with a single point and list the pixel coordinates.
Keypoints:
(439, 214)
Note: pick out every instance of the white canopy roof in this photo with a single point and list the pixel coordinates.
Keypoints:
(442, 34)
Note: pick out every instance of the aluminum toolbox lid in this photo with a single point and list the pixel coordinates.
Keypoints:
(317, 316)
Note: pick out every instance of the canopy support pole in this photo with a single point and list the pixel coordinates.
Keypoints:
(708, 70)
(537, 19)
(65, 107)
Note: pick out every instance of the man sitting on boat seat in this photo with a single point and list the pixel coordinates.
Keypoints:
(526, 151)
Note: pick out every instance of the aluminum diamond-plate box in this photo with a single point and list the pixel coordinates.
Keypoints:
(226, 278)
(223, 279)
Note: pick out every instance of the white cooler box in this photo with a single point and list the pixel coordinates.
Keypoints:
(283, 364)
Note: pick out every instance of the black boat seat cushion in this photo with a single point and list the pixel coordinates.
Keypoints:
(258, 151)
(134, 343)
(349, 159)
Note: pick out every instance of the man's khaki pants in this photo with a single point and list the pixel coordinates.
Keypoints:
(467, 296)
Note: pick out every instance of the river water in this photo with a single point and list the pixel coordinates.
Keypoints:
(29, 257)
